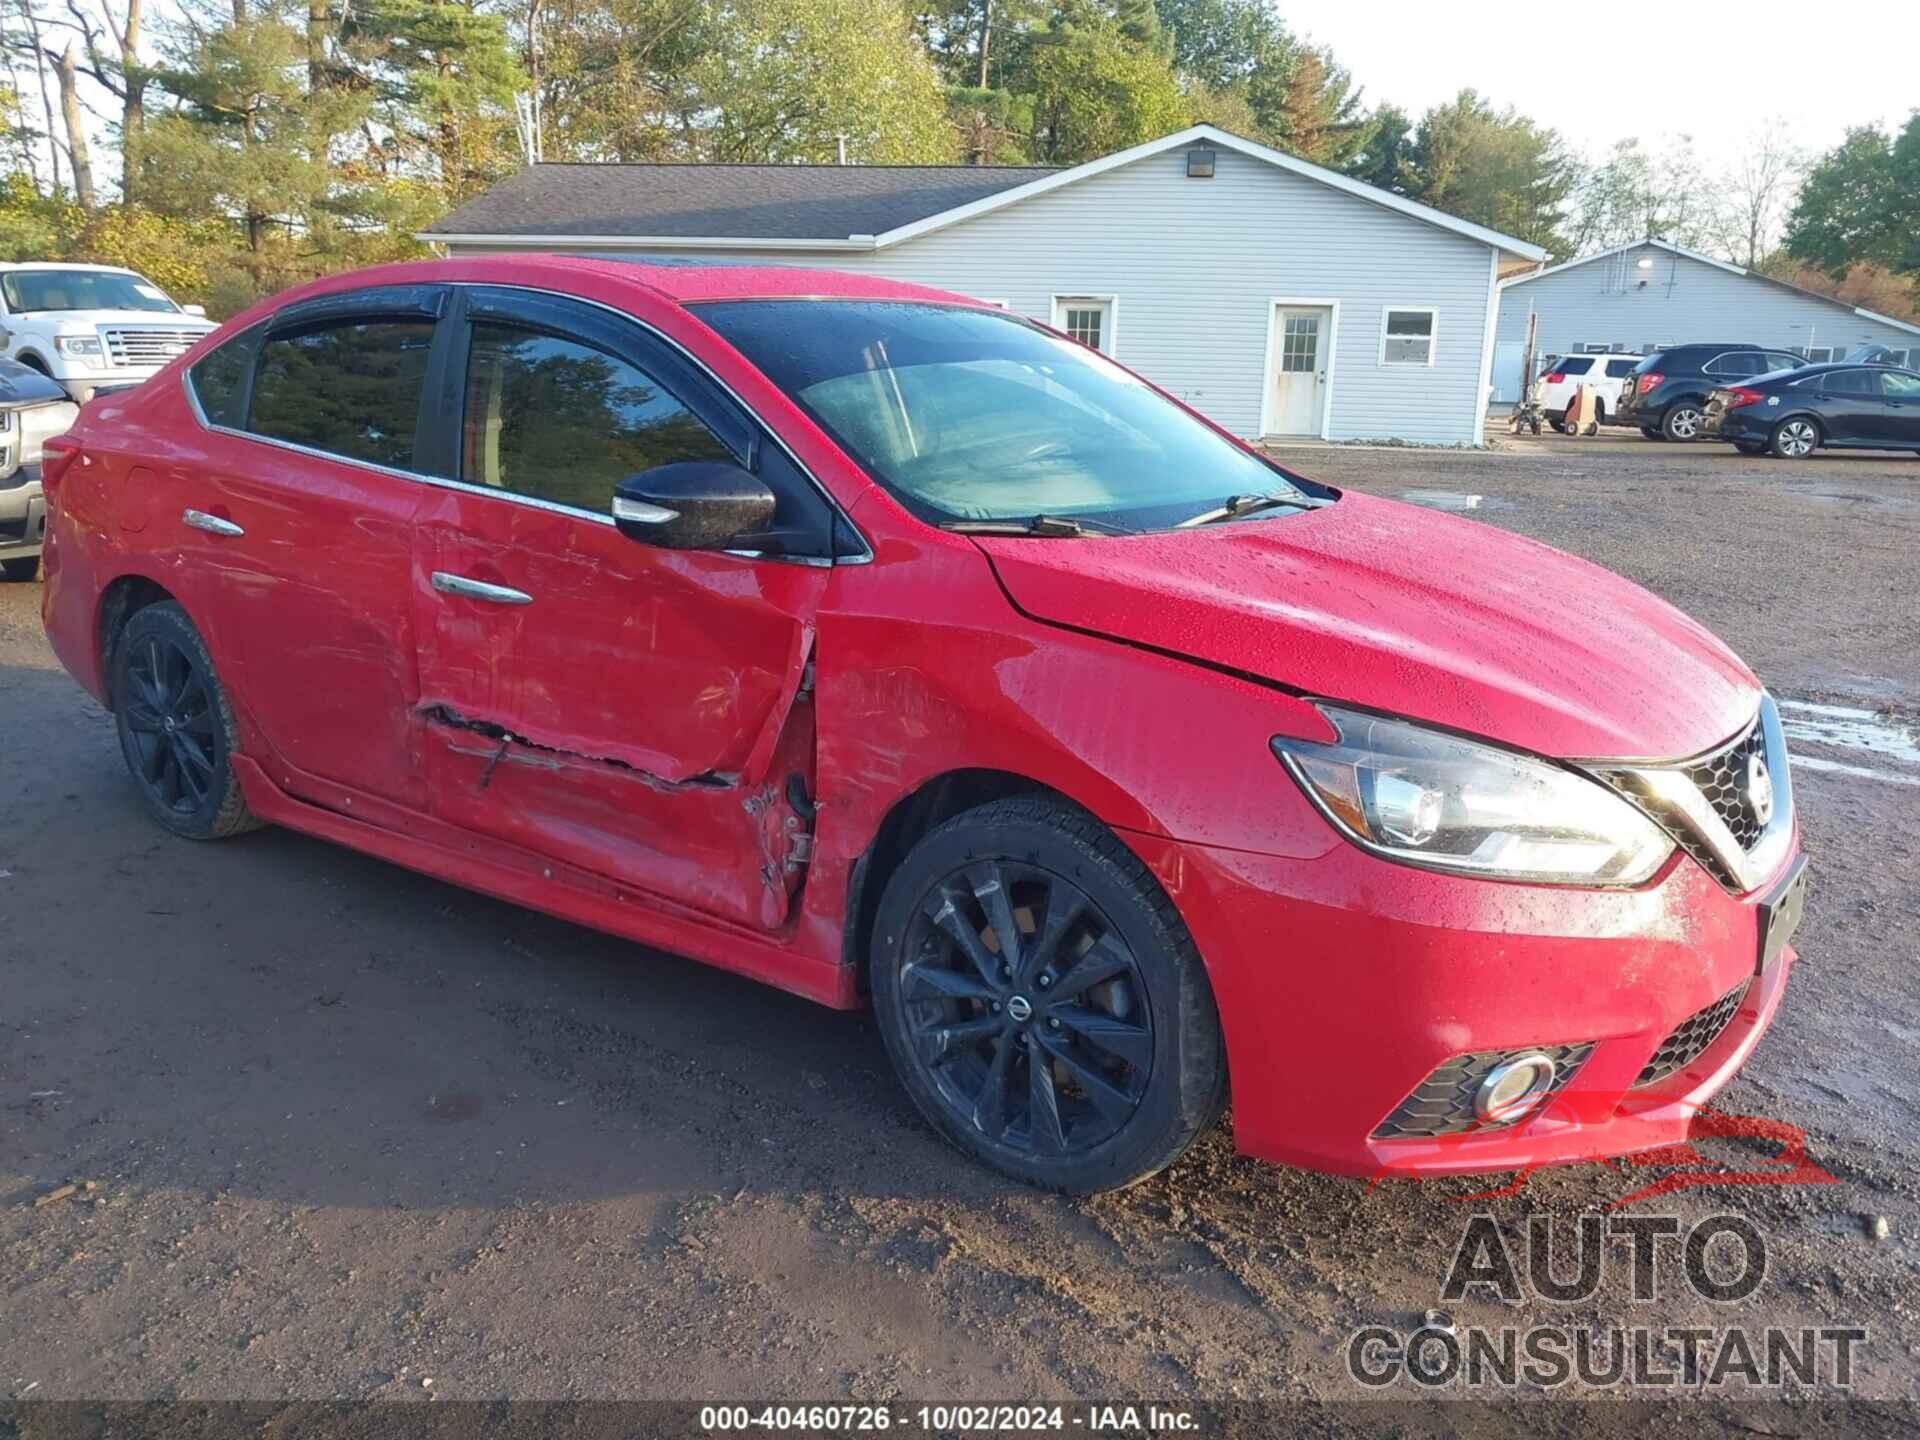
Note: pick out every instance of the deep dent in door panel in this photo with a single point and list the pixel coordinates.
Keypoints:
(736, 847)
(643, 682)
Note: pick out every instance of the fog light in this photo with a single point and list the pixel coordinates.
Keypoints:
(1513, 1088)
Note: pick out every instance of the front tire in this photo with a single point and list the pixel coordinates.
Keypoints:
(1084, 1055)
(20, 570)
(1681, 423)
(176, 727)
(1795, 438)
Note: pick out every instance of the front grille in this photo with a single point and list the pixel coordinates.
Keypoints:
(1443, 1103)
(147, 347)
(1691, 1037)
(1722, 779)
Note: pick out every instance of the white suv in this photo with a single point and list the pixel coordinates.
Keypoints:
(92, 327)
(1564, 376)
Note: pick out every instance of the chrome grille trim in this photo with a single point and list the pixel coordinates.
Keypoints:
(1672, 794)
(145, 345)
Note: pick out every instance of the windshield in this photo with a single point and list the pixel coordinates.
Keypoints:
(971, 415)
(29, 290)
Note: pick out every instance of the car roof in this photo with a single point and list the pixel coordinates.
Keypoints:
(1827, 366)
(679, 283)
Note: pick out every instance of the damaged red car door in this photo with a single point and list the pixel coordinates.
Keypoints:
(634, 712)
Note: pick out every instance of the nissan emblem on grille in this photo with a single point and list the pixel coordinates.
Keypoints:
(1759, 787)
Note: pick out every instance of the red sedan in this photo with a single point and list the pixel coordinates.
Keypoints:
(896, 650)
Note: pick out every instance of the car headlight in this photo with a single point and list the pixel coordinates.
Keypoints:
(1432, 799)
(84, 348)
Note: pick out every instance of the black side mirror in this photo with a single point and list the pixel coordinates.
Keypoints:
(692, 505)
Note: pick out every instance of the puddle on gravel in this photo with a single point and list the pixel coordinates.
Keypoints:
(1889, 748)
(1457, 500)
(1849, 728)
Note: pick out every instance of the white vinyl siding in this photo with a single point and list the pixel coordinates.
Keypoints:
(1676, 300)
(1198, 263)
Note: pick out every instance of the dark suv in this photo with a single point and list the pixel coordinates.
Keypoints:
(1667, 393)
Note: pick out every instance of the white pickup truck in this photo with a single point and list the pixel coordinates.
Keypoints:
(93, 328)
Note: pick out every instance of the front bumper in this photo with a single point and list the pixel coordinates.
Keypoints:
(85, 385)
(23, 514)
(1344, 981)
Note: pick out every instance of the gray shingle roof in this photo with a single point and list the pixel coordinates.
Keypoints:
(755, 202)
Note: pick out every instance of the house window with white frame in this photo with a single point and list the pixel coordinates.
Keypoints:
(1407, 335)
(1087, 318)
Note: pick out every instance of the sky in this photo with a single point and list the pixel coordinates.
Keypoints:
(1598, 72)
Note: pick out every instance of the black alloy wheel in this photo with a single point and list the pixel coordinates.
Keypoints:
(176, 728)
(1042, 1000)
(1027, 1008)
(169, 715)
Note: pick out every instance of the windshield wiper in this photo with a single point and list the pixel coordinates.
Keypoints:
(1236, 505)
(1049, 526)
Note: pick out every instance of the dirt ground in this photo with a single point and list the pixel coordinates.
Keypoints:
(354, 1131)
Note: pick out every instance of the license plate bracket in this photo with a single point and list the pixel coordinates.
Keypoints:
(1780, 915)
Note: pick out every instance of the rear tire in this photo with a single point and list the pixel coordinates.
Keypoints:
(19, 571)
(1681, 423)
(1559, 425)
(176, 726)
(1651, 432)
(1795, 438)
(1103, 983)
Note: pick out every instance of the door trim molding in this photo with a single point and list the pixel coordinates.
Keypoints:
(1270, 370)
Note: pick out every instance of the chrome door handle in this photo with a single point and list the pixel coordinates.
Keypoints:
(212, 524)
(479, 590)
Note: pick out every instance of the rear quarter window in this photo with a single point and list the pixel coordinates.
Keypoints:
(219, 380)
(1616, 369)
(1574, 365)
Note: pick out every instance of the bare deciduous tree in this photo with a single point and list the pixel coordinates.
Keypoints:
(1755, 192)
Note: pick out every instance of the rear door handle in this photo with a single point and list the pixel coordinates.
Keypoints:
(212, 524)
(479, 590)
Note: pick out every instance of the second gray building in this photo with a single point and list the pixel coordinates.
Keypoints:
(1652, 296)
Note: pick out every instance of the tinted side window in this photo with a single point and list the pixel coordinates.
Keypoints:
(1574, 365)
(1739, 363)
(350, 389)
(1852, 382)
(1902, 387)
(1618, 368)
(561, 421)
(219, 381)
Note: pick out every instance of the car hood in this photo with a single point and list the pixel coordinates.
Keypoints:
(22, 385)
(1396, 608)
(84, 320)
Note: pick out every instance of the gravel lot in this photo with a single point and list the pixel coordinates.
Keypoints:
(354, 1130)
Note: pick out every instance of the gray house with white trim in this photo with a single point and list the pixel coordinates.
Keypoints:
(1277, 297)
(1651, 295)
